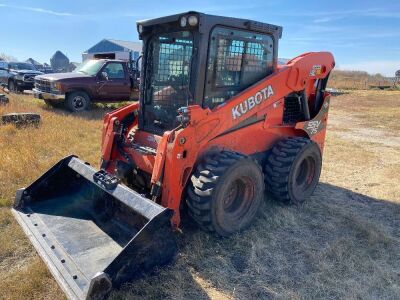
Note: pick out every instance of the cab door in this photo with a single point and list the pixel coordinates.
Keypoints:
(115, 86)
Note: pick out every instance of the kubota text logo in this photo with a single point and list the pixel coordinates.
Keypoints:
(251, 102)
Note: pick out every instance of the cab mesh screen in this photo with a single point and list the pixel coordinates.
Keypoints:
(167, 78)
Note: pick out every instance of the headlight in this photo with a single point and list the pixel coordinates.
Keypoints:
(56, 86)
(183, 22)
(19, 77)
(140, 28)
(193, 20)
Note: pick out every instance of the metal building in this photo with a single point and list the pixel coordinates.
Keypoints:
(114, 49)
(37, 64)
(59, 62)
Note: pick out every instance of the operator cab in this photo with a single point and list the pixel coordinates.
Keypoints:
(195, 58)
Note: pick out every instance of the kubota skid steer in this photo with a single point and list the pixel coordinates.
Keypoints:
(218, 123)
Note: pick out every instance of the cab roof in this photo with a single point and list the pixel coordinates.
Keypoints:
(214, 19)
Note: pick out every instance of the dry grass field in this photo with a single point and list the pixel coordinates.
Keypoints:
(343, 243)
(341, 79)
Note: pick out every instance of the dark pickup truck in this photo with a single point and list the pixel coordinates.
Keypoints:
(18, 76)
(102, 80)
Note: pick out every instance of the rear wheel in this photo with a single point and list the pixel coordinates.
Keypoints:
(225, 193)
(293, 169)
(77, 101)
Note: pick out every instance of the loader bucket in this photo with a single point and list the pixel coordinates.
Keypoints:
(92, 232)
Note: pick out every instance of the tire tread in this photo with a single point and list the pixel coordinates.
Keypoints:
(279, 163)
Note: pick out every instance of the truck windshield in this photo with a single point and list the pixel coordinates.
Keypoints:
(90, 67)
(168, 61)
(22, 66)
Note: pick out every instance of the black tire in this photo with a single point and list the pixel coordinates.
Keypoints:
(225, 174)
(77, 101)
(21, 119)
(293, 169)
(11, 86)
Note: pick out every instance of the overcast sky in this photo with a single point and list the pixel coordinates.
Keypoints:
(363, 35)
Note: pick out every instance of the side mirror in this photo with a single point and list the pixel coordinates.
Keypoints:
(104, 76)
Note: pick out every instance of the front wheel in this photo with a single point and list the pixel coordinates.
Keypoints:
(11, 86)
(225, 193)
(293, 169)
(77, 101)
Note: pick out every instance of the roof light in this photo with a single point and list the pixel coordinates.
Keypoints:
(183, 22)
(193, 20)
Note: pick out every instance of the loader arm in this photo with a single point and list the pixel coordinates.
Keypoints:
(295, 76)
(111, 123)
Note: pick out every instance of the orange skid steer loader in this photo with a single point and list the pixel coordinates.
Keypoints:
(218, 123)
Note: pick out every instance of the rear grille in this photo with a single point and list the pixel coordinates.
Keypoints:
(43, 85)
(292, 113)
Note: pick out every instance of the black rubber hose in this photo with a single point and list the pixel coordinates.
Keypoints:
(319, 98)
(304, 105)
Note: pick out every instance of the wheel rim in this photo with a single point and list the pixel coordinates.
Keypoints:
(305, 174)
(78, 103)
(239, 197)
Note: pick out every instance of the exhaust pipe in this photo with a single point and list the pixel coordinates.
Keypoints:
(93, 233)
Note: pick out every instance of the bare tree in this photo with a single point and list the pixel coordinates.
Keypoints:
(7, 57)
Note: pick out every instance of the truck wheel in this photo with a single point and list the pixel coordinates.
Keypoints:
(225, 193)
(293, 169)
(11, 86)
(77, 101)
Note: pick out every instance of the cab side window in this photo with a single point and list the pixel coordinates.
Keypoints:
(236, 60)
(114, 70)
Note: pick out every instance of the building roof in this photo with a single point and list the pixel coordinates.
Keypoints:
(134, 46)
(33, 62)
(111, 45)
(59, 55)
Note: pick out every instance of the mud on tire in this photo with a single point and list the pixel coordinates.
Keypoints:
(293, 169)
(225, 193)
